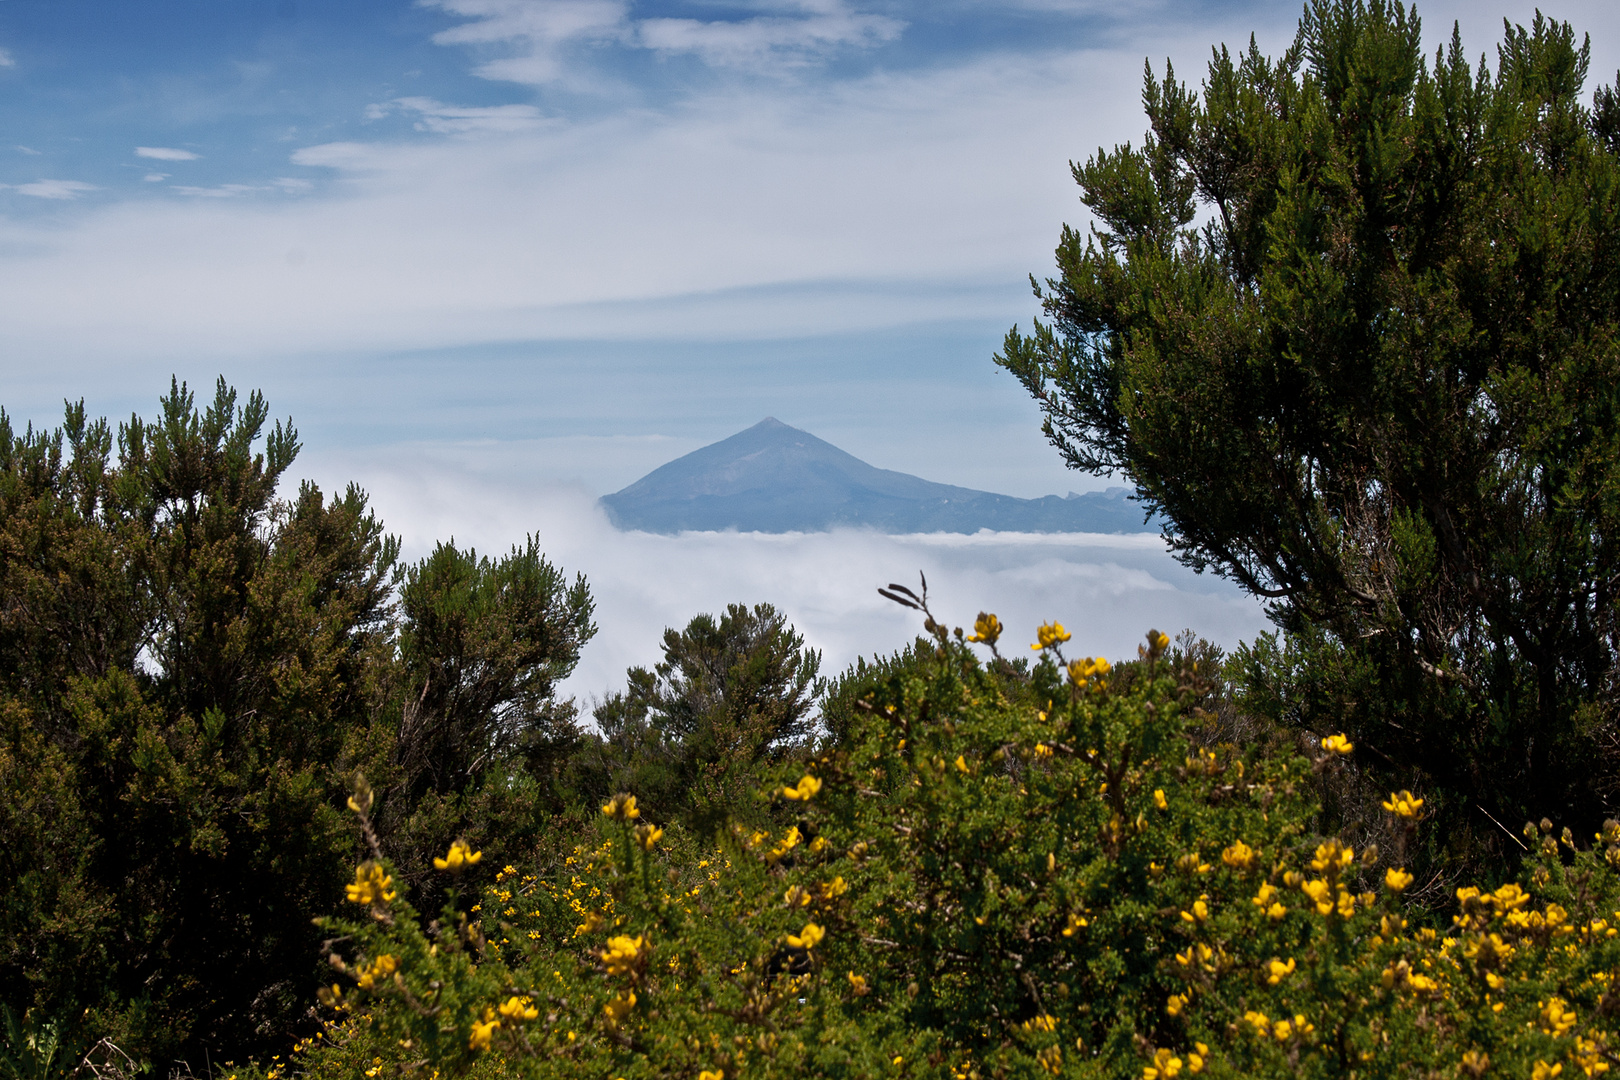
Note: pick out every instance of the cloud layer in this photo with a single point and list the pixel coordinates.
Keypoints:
(1108, 590)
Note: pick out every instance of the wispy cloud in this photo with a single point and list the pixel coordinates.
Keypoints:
(805, 32)
(54, 189)
(6, 58)
(221, 191)
(437, 117)
(165, 153)
(29, 150)
(538, 33)
(880, 202)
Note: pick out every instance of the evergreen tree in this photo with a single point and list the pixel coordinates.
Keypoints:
(191, 671)
(692, 737)
(1351, 323)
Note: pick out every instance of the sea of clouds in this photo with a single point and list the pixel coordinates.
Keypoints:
(1108, 590)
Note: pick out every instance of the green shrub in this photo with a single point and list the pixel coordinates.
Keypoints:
(1000, 869)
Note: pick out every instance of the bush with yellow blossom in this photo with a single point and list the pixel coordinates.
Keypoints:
(998, 869)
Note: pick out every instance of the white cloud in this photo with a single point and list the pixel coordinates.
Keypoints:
(880, 202)
(164, 153)
(221, 191)
(54, 189)
(29, 150)
(819, 29)
(1108, 590)
(293, 185)
(772, 211)
(539, 33)
(442, 119)
(155, 177)
(537, 29)
(6, 58)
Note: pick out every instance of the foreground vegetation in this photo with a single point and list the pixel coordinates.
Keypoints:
(276, 803)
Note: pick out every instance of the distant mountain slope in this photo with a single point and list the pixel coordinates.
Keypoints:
(776, 478)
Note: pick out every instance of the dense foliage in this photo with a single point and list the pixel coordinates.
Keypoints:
(1350, 321)
(999, 871)
(731, 696)
(246, 752)
(191, 669)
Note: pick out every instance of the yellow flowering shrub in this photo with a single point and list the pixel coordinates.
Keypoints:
(997, 869)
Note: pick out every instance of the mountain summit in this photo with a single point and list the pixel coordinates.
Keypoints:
(776, 478)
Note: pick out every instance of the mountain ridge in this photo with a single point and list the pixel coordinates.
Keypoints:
(776, 478)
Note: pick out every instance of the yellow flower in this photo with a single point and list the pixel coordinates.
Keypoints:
(1082, 671)
(1397, 880)
(986, 629)
(1263, 897)
(621, 807)
(1332, 857)
(624, 953)
(1159, 800)
(1050, 635)
(482, 1030)
(1321, 895)
(796, 897)
(1544, 1071)
(519, 1008)
(789, 841)
(1195, 1061)
(1277, 971)
(1198, 914)
(1259, 1021)
(1337, 744)
(1165, 1065)
(807, 938)
(835, 888)
(648, 834)
(1076, 922)
(382, 967)
(1404, 804)
(711, 1074)
(857, 983)
(961, 763)
(1175, 1004)
(619, 1006)
(458, 858)
(371, 885)
(808, 786)
(1239, 856)
(1556, 1017)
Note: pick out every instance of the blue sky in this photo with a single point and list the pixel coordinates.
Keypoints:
(475, 246)
(598, 220)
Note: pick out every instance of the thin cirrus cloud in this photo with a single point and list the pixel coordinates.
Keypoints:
(439, 118)
(54, 189)
(947, 180)
(165, 153)
(538, 34)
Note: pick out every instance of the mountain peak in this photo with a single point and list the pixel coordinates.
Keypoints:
(773, 477)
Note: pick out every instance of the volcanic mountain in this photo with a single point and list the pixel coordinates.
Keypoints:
(775, 478)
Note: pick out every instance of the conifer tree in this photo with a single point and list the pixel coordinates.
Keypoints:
(1349, 318)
